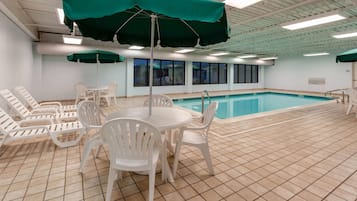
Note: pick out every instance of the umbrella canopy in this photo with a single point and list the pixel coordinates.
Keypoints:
(95, 56)
(348, 56)
(166, 23)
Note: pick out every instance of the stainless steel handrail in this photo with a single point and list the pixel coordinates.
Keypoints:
(338, 90)
(204, 93)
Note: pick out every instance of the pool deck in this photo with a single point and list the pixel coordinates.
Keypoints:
(307, 153)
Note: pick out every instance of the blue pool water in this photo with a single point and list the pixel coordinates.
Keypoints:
(244, 104)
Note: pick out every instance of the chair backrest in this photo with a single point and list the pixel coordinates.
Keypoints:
(7, 124)
(159, 101)
(208, 115)
(112, 89)
(89, 114)
(131, 139)
(81, 89)
(30, 100)
(15, 103)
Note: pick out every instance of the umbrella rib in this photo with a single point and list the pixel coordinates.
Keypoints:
(194, 31)
(126, 22)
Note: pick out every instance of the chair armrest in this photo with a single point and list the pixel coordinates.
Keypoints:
(47, 110)
(53, 103)
(195, 128)
(24, 122)
(31, 128)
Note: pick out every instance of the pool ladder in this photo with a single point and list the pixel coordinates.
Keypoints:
(334, 94)
(203, 95)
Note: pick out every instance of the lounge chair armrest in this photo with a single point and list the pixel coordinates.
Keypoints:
(25, 122)
(44, 110)
(53, 103)
(32, 128)
(195, 128)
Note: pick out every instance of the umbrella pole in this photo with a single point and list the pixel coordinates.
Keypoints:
(97, 68)
(153, 18)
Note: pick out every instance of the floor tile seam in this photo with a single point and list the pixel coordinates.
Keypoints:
(266, 126)
(266, 177)
(33, 173)
(331, 192)
(310, 168)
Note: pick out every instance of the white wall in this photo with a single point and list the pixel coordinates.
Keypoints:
(292, 73)
(59, 77)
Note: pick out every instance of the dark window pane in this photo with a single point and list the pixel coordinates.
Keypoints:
(235, 73)
(248, 74)
(166, 73)
(179, 73)
(222, 73)
(213, 74)
(141, 76)
(196, 74)
(241, 74)
(157, 74)
(255, 74)
(204, 73)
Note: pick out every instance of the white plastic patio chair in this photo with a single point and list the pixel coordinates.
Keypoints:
(31, 101)
(110, 94)
(197, 137)
(83, 93)
(352, 93)
(91, 116)
(159, 100)
(36, 114)
(12, 131)
(134, 145)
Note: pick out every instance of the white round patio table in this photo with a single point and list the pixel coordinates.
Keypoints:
(164, 118)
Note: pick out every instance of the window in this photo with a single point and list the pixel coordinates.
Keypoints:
(165, 72)
(245, 73)
(209, 73)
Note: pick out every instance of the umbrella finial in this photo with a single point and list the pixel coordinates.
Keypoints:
(198, 42)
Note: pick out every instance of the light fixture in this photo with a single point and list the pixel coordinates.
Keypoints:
(60, 15)
(259, 61)
(314, 21)
(346, 35)
(240, 3)
(268, 58)
(183, 51)
(69, 39)
(247, 56)
(135, 47)
(219, 54)
(316, 54)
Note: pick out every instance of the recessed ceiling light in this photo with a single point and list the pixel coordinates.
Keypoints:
(247, 56)
(316, 54)
(183, 51)
(268, 58)
(60, 15)
(241, 3)
(75, 40)
(314, 21)
(219, 54)
(345, 35)
(135, 47)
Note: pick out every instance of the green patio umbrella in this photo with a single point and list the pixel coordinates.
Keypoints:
(348, 56)
(95, 56)
(149, 23)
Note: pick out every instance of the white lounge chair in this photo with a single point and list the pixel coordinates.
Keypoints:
(12, 131)
(83, 93)
(91, 116)
(352, 93)
(109, 94)
(197, 137)
(31, 101)
(17, 106)
(134, 145)
(159, 101)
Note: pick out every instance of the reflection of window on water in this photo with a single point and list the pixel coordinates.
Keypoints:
(165, 72)
(209, 73)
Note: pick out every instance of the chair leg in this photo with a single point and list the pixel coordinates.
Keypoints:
(77, 100)
(98, 150)
(205, 152)
(111, 178)
(152, 183)
(177, 153)
(86, 152)
(349, 109)
(108, 100)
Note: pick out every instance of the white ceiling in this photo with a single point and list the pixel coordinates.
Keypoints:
(255, 29)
